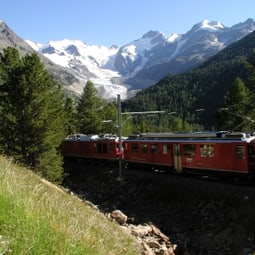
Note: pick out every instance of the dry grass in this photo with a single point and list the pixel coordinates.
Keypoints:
(37, 217)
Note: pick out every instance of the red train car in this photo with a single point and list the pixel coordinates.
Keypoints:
(217, 152)
(91, 148)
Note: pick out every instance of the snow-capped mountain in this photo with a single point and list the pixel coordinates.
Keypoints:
(142, 62)
(186, 51)
(87, 63)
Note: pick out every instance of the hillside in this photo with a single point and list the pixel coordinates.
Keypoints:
(202, 88)
(8, 38)
(37, 217)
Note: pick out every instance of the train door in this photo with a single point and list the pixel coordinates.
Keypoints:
(177, 158)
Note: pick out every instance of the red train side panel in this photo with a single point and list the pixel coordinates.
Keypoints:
(90, 147)
(231, 153)
(148, 152)
(224, 156)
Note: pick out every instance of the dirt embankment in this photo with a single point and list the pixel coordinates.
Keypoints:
(201, 217)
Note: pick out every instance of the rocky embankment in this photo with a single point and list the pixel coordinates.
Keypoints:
(170, 215)
(152, 240)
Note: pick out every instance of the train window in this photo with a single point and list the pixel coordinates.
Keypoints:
(154, 148)
(165, 149)
(207, 150)
(144, 148)
(99, 148)
(111, 147)
(240, 152)
(189, 150)
(134, 147)
(102, 148)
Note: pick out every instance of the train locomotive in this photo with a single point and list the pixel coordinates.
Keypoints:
(198, 152)
(91, 148)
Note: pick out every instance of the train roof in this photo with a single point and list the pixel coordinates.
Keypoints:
(210, 135)
(91, 137)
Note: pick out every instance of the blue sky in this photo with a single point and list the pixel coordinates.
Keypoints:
(108, 22)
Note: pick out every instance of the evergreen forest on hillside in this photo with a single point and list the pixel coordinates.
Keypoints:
(36, 114)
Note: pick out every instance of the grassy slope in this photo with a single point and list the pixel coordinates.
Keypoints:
(37, 217)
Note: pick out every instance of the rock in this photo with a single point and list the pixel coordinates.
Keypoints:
(157, 232)
(147, 250)
(140, 230)
(153, 243)
(119, 216)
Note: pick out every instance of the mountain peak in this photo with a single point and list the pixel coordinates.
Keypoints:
(208, 25)
(154, 37)
(173, 37)
(151, 34)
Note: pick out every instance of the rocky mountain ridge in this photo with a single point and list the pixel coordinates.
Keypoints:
(127, 69)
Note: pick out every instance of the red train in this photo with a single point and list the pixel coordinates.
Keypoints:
(193, 152)
(91, 148)
(180, 152)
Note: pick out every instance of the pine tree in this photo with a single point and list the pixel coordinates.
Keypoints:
(9, 73)
(33, 114)
(90, 110)
(109, 118)
(234, 114)
(251, 83)
(70, 113)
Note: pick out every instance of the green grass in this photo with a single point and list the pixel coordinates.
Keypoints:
(37, 217)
